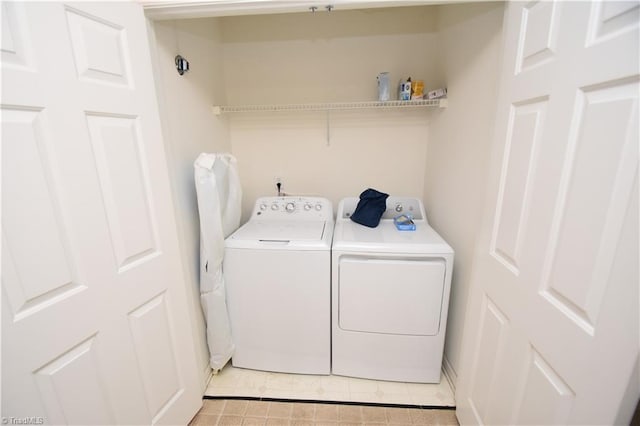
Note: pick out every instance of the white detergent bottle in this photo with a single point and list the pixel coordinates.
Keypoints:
(383, 86)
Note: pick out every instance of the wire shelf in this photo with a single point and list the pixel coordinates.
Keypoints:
(333, 106)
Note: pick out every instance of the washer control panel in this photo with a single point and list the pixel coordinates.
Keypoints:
(293, 208)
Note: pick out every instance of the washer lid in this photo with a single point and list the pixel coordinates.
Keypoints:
(350, 236)
(280, 231)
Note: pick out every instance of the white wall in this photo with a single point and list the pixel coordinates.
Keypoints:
(321, 57)
(460, 141)
(190, 128)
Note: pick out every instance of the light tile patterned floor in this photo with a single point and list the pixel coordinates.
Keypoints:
(251, 383)
(239, 412)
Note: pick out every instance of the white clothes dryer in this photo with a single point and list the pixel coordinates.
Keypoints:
(390, 296)
(277, 270)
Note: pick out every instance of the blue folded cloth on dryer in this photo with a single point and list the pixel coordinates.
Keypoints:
(370, 208)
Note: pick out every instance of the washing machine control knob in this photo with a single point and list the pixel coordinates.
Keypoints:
(263, 206)
(307, 206)
(274, 206)
(290, 207)
(399, 208)
(318, 206)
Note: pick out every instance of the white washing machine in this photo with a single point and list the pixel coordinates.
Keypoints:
(277, 270)
(390, 296)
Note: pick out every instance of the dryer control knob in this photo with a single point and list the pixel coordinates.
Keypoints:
(318, 206)
(263, 206)
(307, 206)
(290, 207)
(399, 208)
(274, 206)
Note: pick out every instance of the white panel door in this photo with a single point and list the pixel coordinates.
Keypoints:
(552, 329)
(94, 322)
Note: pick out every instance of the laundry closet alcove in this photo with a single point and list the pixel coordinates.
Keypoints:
(309, 82)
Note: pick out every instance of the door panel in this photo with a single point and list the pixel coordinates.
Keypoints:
(537, 43)
(542, 387)
(492, 334)
(68, 379)
(118, 151)
(526, 122)
(610, 19)
(99, 49)
(93, 300)
(552, 331)
(578, 262)
(154, 345)
(16, 48)
(44, 241)
(391, 296)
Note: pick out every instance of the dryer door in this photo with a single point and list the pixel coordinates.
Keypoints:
(391, 296)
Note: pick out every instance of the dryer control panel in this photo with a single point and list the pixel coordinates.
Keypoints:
(293, 208)
(395, 206)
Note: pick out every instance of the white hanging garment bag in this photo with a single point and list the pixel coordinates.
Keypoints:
(219, 203)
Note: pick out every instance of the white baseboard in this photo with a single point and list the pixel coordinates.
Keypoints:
(449, 373)
(207, 374)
